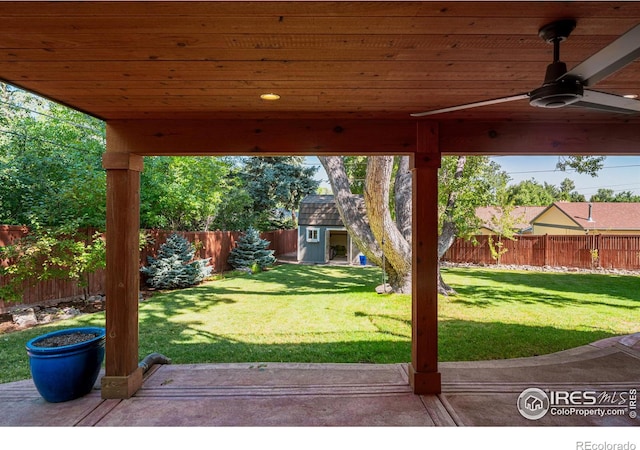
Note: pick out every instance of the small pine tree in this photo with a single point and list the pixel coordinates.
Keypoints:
(251, 251)
(175, 267)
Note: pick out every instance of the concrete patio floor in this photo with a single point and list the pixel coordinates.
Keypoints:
(279, 394)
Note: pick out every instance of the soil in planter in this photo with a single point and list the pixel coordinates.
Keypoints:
(65, 339)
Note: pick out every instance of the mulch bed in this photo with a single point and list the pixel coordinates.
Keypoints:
(32, 316)
(29, 316)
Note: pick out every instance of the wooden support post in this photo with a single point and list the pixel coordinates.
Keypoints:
(423, 372)
(122, 375)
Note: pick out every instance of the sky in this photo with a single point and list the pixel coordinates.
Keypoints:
(620, 173)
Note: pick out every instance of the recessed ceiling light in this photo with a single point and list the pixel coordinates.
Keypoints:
(270, 96)
(630, 95)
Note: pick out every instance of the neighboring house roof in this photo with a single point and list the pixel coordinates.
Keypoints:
(321, 210)
(522, 214)
(598, 215)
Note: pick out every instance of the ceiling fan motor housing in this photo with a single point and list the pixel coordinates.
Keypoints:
(557, 94)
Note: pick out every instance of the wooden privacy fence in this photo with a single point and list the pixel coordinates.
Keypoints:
(50, 289)
(209, 244)
(588, 251)
(10, 233)
(218, 244)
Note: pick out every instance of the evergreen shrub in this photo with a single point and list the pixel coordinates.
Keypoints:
(175, 267)
(251, 252)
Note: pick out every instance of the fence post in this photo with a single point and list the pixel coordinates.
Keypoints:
(546, 249)
(602, 253)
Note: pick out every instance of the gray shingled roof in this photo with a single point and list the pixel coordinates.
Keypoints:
(320, 210)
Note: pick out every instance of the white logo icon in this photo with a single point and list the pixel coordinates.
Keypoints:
(533, 403)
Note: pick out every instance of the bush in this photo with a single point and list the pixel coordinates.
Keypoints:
(175, 267)
(251, 252)
(47, 253)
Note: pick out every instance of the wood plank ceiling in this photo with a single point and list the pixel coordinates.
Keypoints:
(370, 60)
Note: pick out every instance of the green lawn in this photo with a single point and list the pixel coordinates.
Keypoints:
(331, 314)
(506, 314)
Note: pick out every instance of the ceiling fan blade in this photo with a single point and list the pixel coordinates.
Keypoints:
(472, 105)
(608, 102)
(610, 59)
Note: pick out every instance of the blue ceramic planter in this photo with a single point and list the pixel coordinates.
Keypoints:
(69, 371)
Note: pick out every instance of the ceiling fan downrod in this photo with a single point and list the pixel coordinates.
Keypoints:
(556, 91)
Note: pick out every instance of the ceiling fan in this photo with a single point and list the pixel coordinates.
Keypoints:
(561, 87)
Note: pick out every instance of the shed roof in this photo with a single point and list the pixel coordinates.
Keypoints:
(321, 210)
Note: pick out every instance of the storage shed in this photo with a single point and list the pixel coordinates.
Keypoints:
(322, 237)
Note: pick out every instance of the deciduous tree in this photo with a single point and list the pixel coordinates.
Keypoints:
(50, 163)
(385, 229)
(277, 182)
(183, 193)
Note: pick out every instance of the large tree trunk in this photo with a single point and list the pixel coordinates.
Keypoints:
(397, 250)
(402, 197)
(351, 209)
(448, 234)
(361, 222)
(394, 236)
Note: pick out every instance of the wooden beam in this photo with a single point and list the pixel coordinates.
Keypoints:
(259, 9)
(326, 47)
(534, 138)
(423, 371)
(344, 137)
(263, 137)
(360, 22)
(122, 377)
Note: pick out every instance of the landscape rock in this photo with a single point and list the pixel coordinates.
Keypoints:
(384, 289)
(19, 318)
(26, 318)
(563, 269)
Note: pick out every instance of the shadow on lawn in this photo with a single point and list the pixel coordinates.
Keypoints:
(458, 341)
(465, 340)
(291, 279)
(229, 351)
(322, 278)
(556, 289)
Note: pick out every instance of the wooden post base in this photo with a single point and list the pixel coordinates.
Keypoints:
(425, 382)
(121, 387)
